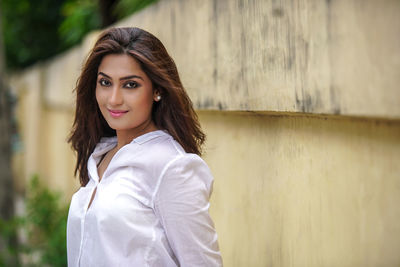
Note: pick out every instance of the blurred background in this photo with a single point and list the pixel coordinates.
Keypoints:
(300, 101)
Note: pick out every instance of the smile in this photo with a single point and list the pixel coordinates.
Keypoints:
(117, 113)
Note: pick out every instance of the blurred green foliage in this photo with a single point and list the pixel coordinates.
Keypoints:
(44, 224)
(80, 18)
(126, 7)
(30, 30)
(39, 29)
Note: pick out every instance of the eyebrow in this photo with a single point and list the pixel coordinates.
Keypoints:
(122, 78)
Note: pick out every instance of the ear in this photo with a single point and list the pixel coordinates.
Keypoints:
(157, 95)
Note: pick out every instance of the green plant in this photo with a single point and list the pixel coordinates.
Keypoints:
(80, 17)
(8, 233)
(126, 7)
(44, 223)
(30, 30)
(37, 30)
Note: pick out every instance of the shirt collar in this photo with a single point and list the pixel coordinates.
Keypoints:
(149, 136)
(107, 143)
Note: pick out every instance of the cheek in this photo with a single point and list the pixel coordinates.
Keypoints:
(142, 102)
(99, 97)
(147, 103)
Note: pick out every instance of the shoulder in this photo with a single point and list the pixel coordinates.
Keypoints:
(187, 172)
(155, 148)
(160, 148)
(186, 162)
(165, 164)
(158, 153)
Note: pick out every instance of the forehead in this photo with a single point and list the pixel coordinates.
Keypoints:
(120, 65)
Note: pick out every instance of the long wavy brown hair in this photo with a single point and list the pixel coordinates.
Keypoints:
(174, 113)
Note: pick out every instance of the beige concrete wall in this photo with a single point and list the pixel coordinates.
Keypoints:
(332, 57)
(291, 188)
(44, 116)
(43, 127)
(304, 191)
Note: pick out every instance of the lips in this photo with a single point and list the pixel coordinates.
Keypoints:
(117, 113)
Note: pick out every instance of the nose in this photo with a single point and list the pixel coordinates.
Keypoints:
(116, 97)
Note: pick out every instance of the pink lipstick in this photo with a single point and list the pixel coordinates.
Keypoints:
(117, 113)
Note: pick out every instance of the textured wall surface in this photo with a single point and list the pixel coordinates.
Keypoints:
(43, 129)
(333, 57)
(304, 191)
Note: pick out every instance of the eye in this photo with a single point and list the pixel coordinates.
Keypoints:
(131, 84)
(104, 82)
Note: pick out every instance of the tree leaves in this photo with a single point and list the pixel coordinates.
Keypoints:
(37, 30)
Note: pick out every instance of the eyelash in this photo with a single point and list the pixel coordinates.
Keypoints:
(129, 84)
(103, 81)
(133, 85)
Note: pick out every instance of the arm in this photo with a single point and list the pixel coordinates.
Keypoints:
(181, 203)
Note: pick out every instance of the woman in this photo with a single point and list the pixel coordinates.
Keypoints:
(145, 191)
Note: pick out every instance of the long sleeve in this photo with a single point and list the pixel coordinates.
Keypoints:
(181, 202)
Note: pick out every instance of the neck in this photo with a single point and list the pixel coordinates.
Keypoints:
(126, 136)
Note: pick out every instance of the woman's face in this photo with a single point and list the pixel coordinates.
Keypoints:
(124, 94)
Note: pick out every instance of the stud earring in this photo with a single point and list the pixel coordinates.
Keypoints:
(158, 98)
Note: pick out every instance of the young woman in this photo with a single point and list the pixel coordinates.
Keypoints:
(145, 191)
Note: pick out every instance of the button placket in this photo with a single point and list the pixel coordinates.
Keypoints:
(84, 234)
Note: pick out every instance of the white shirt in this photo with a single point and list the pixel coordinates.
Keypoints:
(150, 208)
